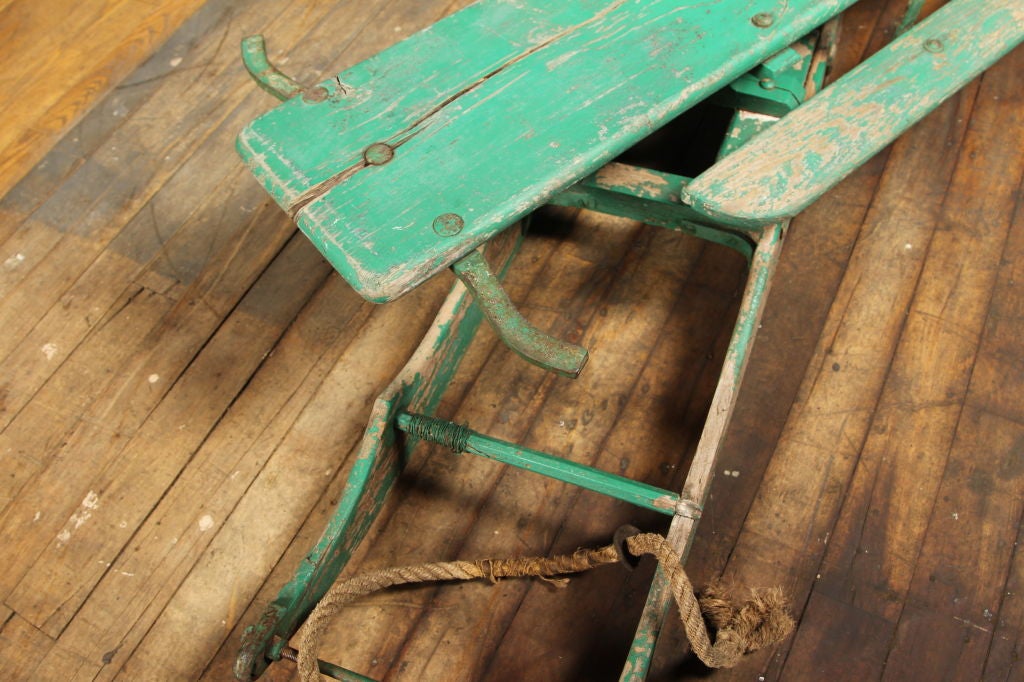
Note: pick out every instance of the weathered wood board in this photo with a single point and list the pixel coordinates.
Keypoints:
(780, 173)
(514, 115)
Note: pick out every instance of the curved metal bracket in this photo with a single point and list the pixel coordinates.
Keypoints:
(254, 56)
(515, 330)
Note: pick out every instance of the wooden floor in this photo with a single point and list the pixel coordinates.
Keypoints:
(184, 381)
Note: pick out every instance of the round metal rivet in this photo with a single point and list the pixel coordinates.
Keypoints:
(317, 94)
(448, 224)
(934, 45)
(762, 19)
(378, 153)
(766, 84)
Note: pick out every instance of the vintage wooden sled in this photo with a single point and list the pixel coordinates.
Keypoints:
(431, 154)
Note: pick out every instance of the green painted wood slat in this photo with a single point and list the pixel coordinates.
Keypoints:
(783, 170)
(489, 113)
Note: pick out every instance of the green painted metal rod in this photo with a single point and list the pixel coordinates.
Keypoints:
(254, 57)
(515, 330)
(463, 439)
(651, 197)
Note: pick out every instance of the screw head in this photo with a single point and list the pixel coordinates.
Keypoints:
(378, 153)
(448, 224)
(934, 45)
(762, 19)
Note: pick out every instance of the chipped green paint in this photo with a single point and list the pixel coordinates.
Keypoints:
(483, 124)
(910, 16)
(698, 480)
(747, 319)
(781, 172)
(743, 127)
(775, 87)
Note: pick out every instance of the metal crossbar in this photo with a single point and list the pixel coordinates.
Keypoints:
(462, 439)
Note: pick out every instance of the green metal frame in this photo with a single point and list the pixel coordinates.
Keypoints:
(461, 439)
(651, 197)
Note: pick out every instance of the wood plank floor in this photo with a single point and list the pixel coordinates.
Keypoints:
(60, 57)
(185, 380)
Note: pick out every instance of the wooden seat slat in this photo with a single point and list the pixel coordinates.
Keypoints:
(492, 111)
(784, 169)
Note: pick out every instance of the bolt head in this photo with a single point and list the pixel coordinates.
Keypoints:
(934, 45)
(762, 19)
(378, 153)
(448, 224)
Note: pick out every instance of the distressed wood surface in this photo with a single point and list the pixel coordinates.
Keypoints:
(185, 383)
(488, 114)
(783, 170)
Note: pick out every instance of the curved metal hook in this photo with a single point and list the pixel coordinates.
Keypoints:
(254, 56)
(515, 330)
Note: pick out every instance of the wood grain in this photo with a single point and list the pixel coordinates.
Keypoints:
(789, 166)
(875, 547)
(60, 59)
(460, 93)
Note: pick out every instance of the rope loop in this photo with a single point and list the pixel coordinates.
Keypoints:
(740, 629)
